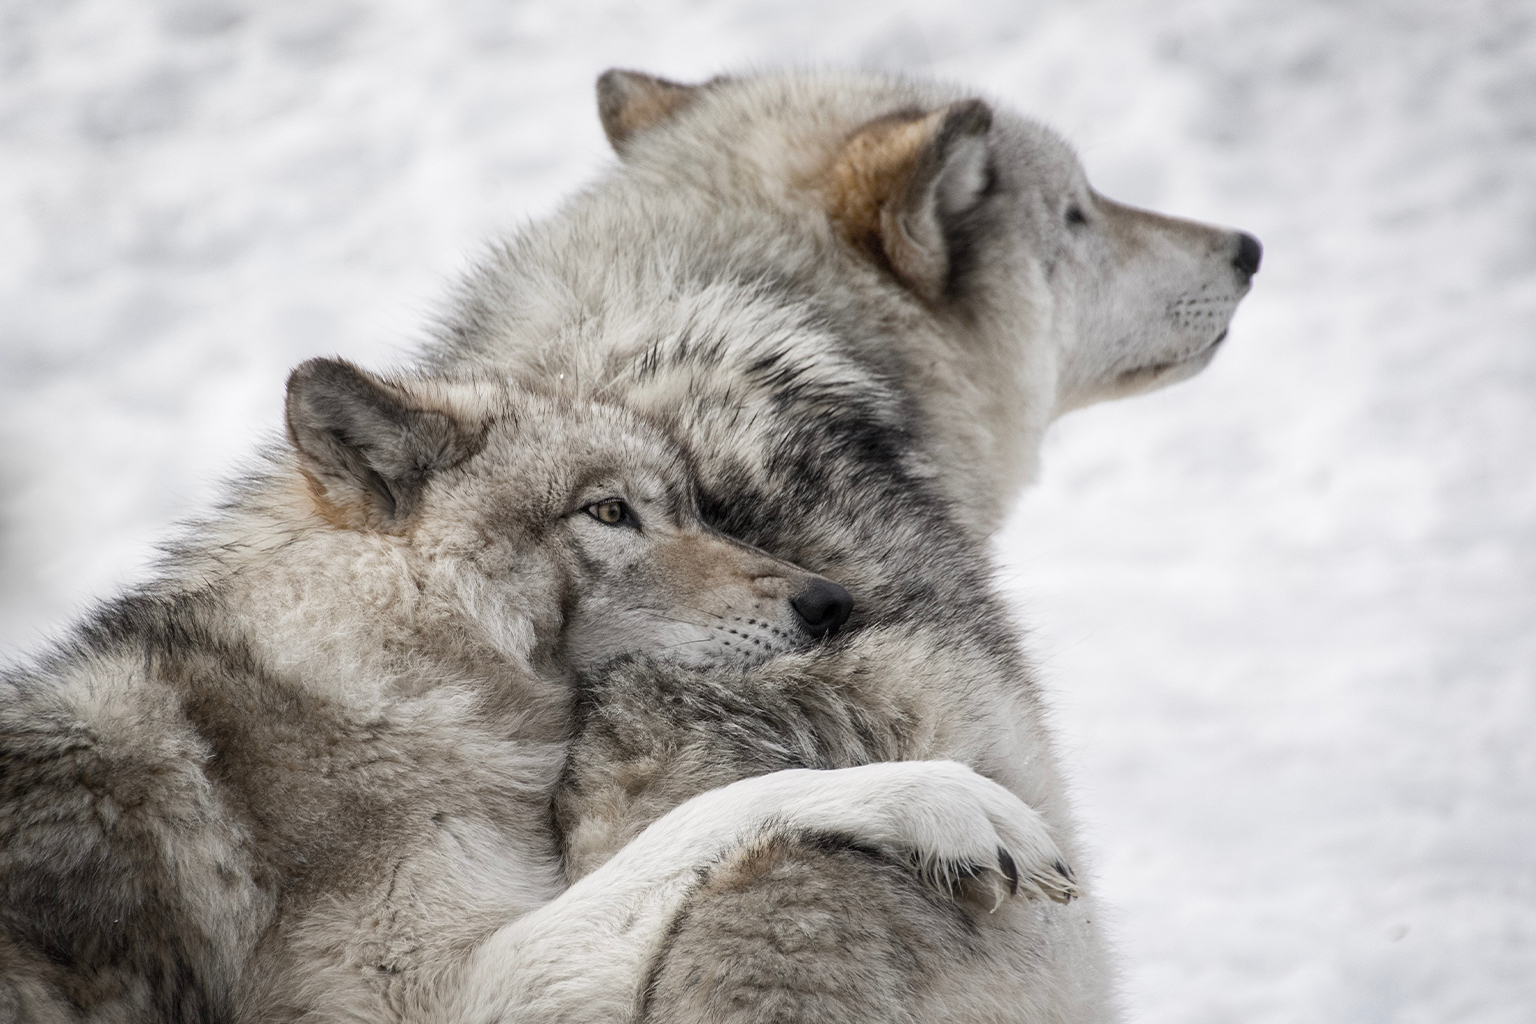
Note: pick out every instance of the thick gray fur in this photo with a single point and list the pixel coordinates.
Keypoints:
(862, 385)
(307, 773)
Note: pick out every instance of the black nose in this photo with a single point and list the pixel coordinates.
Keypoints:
(823, 607)
(1249, 254)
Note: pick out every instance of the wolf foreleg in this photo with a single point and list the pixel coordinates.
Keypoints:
(585, 955)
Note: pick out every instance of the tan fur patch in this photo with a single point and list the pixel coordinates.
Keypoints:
(873, 169)
(342, 516)
(705, 571)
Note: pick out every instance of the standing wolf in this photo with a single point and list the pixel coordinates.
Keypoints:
(306, 774)
(857, 302)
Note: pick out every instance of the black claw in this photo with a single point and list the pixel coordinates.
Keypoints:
(1010, 869)
(1065, 872)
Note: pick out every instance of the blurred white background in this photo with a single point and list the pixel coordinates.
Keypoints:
(1287, 611)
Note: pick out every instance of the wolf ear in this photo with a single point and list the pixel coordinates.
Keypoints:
(366, 450)
(902, 181)
(629, 103)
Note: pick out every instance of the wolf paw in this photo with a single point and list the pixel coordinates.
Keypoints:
(963, 834)
(988, 887)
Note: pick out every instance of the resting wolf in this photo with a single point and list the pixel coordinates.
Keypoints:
(858, 302)
(306, 774)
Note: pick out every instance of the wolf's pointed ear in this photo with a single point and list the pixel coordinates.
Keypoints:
(629, 103)
(902, 181)
(365, 449)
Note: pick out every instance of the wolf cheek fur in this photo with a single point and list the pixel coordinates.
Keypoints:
(858, 301)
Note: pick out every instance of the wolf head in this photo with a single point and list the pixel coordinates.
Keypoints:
(567, 530)
(1034, 292)
(968, 208)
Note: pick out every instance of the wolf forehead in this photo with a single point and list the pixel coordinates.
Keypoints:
(558, 448)
(443, 439)
(791, 126)
(841, 146)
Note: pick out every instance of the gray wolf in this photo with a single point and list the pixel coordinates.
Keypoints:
(857, 302)
(306, 773)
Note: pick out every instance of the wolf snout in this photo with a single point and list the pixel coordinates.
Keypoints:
(1249, 254)
(823, 607)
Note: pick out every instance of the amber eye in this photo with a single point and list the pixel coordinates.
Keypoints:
(611, 512)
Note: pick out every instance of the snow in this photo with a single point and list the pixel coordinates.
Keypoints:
(1287, 610)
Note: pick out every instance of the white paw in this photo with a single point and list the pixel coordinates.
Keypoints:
(961, 831)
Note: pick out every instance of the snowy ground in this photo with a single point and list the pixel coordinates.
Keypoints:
(1288, 610)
